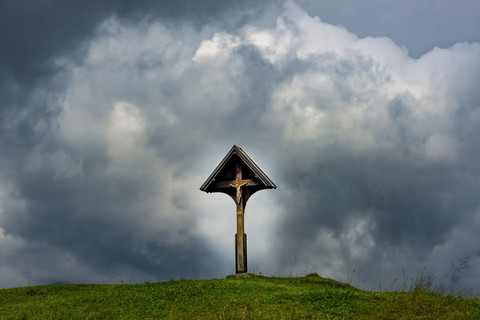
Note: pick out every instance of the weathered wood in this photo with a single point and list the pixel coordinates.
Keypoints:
(239, 201)
(248, 179)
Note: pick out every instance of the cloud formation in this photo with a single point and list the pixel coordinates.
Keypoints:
(419, 25)
(374, 152)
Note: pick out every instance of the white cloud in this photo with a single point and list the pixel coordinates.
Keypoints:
(126, 131)
(219, 47)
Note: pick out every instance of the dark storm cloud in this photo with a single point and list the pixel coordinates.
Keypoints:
(409, 204)
(387, 203)
(36, 34)
(85, 206)
(61, 196)
(102, 155)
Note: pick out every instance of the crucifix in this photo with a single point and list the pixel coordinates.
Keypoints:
(240, 237)
(239, 177)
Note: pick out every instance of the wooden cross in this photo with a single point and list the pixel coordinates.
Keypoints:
(249, 178)
(240, 236)
(238, 183)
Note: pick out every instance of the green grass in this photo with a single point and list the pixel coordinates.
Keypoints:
(255, 297)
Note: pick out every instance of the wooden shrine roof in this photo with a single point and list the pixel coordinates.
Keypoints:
(207, 186)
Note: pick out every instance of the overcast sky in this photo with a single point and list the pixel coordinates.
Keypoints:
(365, 114)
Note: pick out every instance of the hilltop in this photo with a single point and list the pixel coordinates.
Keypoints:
(252, 297)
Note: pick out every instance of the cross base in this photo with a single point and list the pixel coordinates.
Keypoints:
(241, 257)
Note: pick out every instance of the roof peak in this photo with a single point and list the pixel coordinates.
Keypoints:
(262, 177)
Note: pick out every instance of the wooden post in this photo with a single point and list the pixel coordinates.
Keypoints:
(249, 178)
(240, 237)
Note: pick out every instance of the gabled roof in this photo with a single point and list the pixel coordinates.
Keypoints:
(267, 183)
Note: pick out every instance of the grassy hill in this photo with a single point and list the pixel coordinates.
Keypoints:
(254, 297)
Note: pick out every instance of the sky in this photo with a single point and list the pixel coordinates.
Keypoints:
(365, 114)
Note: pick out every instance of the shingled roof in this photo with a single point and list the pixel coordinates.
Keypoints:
(207, 186)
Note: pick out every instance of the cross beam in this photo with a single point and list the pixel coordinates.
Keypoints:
(228, 184)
